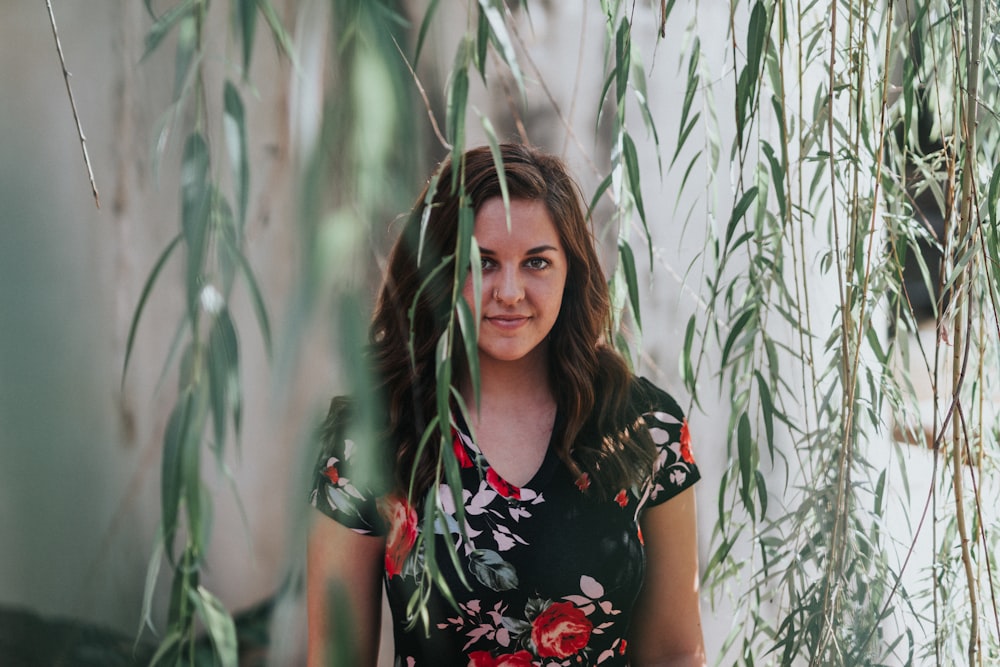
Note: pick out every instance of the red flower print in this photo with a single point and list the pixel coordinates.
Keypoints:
(459, 449)
(402, 534)
(622, 498)
(484, 659)
(686, 443)
(560, 631)
(501, 486)
(639, 535)
(621, 647)
(583, 482)
(332, 474)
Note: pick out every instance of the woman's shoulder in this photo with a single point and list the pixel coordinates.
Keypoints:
(647, 397)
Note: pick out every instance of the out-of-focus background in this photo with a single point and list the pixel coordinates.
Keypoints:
(81, 446)
(815, 502)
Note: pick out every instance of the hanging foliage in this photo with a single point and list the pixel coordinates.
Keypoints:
(856, 160)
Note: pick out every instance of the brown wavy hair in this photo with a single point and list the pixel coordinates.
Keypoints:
(613, 452)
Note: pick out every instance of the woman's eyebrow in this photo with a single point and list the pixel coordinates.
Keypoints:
(531, 251)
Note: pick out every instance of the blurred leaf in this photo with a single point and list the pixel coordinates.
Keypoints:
(256, 298)
(482, 43)
(144, 296)
(165, 24)
(458, 96)
(246, 26)
(223, 375)
(234, 121)
(195, 199)
(187, 45)
(491, 139)
(190, 468)
(425, 25)
(493, 11)
(219, 625)
(278, 30)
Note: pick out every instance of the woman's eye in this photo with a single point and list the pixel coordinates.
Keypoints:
(485, 264)
(537, 263)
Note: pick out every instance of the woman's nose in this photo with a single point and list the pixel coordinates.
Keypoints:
(508, 288)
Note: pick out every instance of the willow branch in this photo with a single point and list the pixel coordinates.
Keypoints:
(967, 212)
(72, 103)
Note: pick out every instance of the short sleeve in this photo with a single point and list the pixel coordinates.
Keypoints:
(343, 485)
(674, 469)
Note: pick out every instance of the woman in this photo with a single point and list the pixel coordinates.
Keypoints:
(570, 554)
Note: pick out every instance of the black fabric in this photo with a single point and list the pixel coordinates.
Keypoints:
(554, 572)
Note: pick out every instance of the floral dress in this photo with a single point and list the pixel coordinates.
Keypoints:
(552, 571)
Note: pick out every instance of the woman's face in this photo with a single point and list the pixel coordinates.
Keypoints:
(524, 274)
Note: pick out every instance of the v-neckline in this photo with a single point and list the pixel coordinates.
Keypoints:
(540, 478)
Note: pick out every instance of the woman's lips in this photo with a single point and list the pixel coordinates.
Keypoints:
(507, 322)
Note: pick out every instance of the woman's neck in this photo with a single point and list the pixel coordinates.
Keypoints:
(509, 384)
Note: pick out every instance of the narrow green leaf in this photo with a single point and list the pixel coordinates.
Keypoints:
(491, 139)
(756, 34)
(623, 51)
(738, 212)
(693, 83)
(482, 44)
(993, 197)
(777, 178)
(632, 168)
(246, 24)
(687, 368)
(734, 333)
(278, 30)
(187, 44)
(256, 298)
(767, 411)
(170, 643)
(425, 25)
(234, 121)
(761, 492)
(880, 493)
(196, 192)
(219, 625)
(598, 193)
(744, 447)
(425, 213)
(143, 297)
(442, 376)
(458, 97)
(468, 324)
(466, 226)
(628, 268)
(223, 374)
(165, 24)
(190, 467)
(152, 574)
(500, 36)
(171, 474)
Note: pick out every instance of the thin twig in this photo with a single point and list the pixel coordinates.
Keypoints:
(423, 95)
(72, 103)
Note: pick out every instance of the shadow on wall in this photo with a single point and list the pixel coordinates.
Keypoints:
(59, 454)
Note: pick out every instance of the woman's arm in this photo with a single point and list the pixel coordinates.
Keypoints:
(666, 626)
(343, 594)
